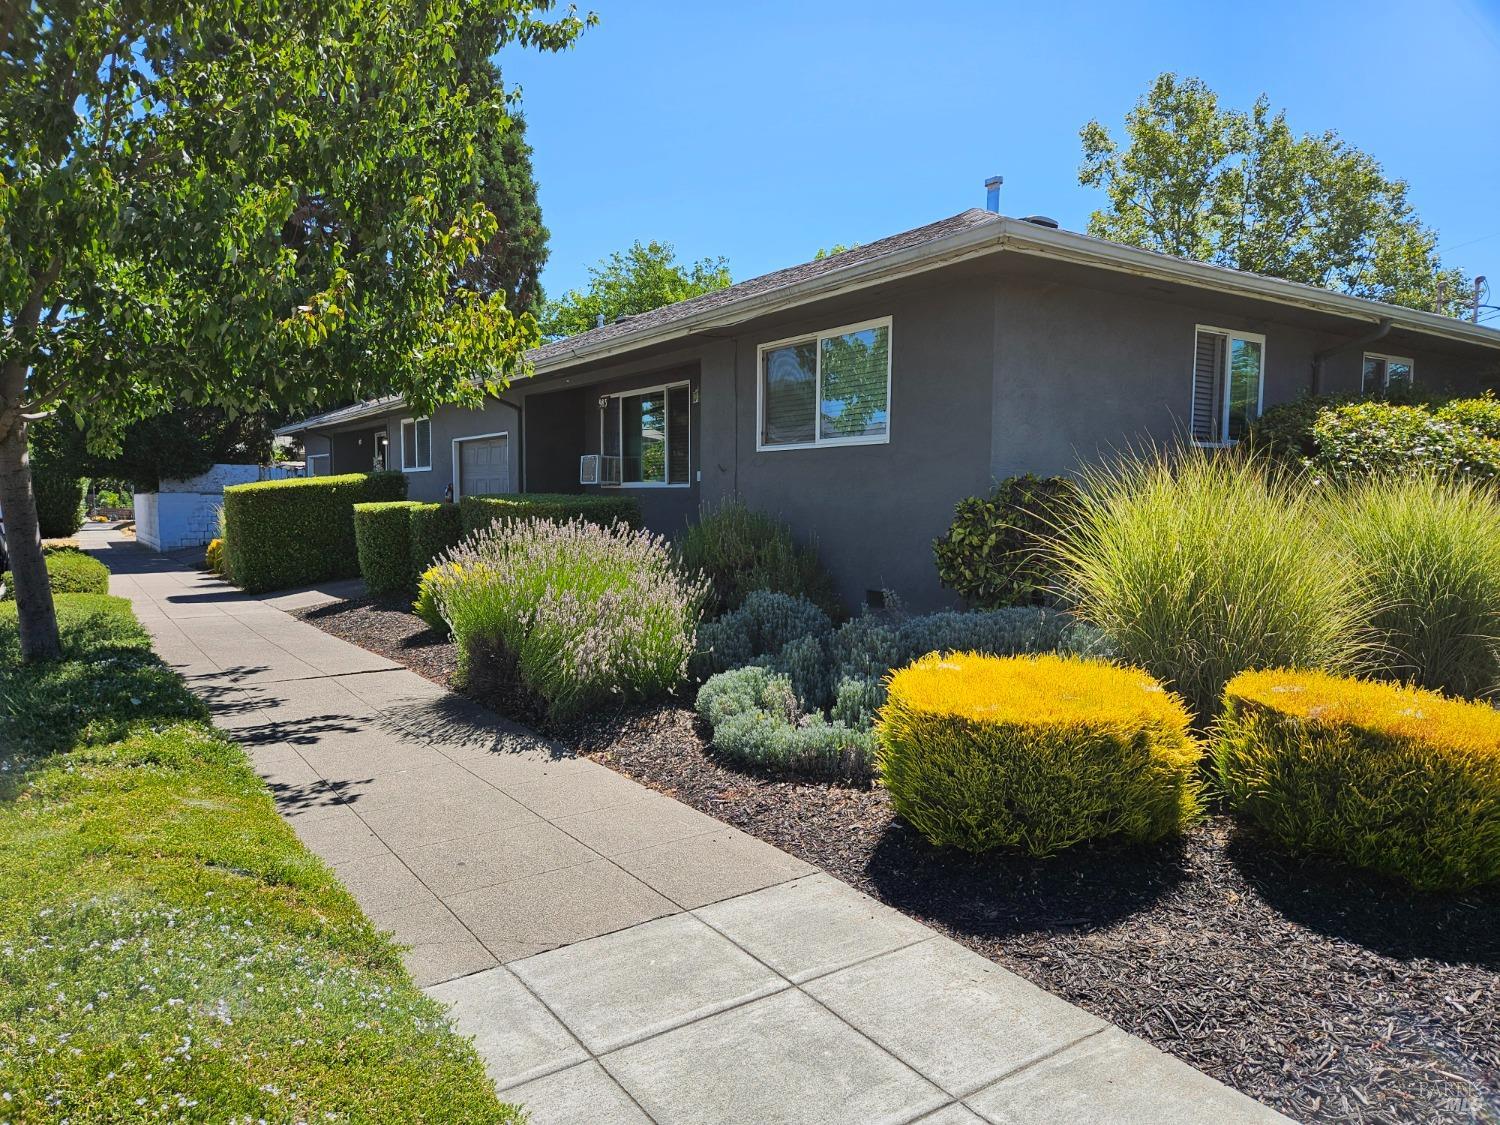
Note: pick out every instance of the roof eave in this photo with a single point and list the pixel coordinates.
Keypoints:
(339, 417)
(1021, 237)
(1025, 238)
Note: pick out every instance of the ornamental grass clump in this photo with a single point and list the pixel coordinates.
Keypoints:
(575, 614)
(1036, 753)
(1196, 566)
(1403, 781)
(1426, 550)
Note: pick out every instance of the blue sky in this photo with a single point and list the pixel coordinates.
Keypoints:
(762, 131)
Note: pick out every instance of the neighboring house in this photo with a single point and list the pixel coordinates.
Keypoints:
(860, 396)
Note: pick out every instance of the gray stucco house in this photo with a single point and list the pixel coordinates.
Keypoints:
(859, 397)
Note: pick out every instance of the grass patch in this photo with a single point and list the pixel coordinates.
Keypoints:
(169, 950)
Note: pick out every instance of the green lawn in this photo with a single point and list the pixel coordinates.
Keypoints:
(168, 949)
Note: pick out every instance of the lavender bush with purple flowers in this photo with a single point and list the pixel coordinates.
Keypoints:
(586, 614)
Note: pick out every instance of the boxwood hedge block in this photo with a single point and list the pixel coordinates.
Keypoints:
(382, 540)
(68, 572)
(61, 500)
(284, 533)
(434, 529)
(1035, 753)
(1403, 781)
(602, 509)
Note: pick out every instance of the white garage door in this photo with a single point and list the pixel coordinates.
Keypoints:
(484, 466)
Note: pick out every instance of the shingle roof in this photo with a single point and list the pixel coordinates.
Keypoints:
(758, 286)
(343, 414)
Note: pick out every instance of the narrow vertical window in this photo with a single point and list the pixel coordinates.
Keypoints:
(416, 444)
(1228, 384)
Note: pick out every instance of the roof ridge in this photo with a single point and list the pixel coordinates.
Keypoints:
(768, 282)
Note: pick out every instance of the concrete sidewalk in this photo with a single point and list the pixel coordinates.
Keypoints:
(618, 956)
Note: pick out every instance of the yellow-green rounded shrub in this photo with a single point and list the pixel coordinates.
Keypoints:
(1399, 780)
(1036, 752)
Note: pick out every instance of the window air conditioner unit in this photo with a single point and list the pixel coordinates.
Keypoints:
(588, 468)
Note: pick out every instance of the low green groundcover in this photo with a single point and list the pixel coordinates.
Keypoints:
(169, 950)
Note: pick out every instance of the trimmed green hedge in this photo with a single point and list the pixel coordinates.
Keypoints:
(382, 540)
(602, 509)
(61, 501)
(434, 529)
(68, 572)
(286, 533)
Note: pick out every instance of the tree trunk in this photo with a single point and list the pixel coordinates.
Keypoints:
(35, 611)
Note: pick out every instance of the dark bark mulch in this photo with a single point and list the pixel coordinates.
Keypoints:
(1326, 993)
(388, 628)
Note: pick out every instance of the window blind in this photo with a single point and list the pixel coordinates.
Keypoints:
(1208, 388)
(679, 439)
(791, 375)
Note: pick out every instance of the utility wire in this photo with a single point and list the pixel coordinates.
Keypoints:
(1461, 245)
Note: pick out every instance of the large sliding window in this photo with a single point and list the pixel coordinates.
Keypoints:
(1228, 384)
(826, 388)
(646, 436)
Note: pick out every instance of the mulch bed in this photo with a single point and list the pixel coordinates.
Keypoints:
(1326, 993)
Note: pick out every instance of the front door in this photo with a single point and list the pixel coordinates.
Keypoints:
(484, 466)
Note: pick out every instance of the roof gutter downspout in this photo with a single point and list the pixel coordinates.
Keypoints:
(520, 409)
(1378, 333)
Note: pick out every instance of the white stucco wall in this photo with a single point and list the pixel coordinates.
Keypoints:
(184, 513)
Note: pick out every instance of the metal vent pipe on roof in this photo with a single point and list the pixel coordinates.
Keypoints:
(992, 194)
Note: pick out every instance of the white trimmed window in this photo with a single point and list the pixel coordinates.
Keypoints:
(1384, 373)
(1228, 384)
(826, 388)
(646, 437)
(416, 445)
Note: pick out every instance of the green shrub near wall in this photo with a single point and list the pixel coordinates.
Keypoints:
(1482, 415)
(602, 509)
(994, 553)
(434, 529)
(741, 551)
(1378, 438)
(61, 501)
(284, 533)
(382, 540)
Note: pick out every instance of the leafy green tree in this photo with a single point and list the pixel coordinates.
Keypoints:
(252, 206)
(511, 261)
(173, 445)
(836, 248)
(1240, 189)
(636, 280)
